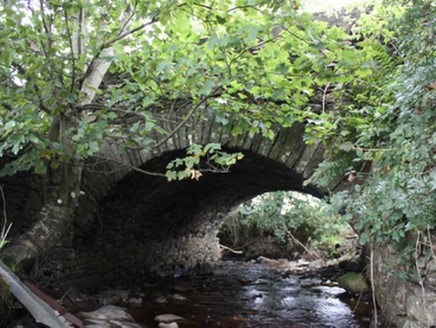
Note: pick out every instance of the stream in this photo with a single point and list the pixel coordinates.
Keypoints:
(252, 294)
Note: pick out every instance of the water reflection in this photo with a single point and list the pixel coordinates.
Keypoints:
(256, 295)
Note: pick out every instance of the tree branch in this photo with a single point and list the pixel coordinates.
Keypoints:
(70, 40)
(23, 71)
(7, 106)
(229, 68)
(127, 21)
(183, 122)
(324, 97)
(130, 166)
(98, 67)
(41, 5)
(253, 48)
(253, 7)
(122, 36)
(204, 6)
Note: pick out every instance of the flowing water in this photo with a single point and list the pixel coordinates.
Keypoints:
(253, 295)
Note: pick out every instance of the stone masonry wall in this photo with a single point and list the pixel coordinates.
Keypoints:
(405, 304)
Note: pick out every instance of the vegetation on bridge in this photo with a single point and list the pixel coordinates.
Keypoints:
(307, 224)
(389, 122)
(78, 74)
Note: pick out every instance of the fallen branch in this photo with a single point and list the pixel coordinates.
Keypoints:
(247, 244)
(229, 249)
(310, 253)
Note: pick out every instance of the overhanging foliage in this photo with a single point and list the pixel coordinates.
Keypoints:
(252, 64)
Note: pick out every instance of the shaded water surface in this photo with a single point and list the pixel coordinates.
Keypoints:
(253, 295)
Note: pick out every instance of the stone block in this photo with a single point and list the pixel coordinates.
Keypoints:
(279, 143)
(305, 158)
(430, 275)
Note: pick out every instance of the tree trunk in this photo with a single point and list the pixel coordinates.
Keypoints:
(64, 187)
(55, 220)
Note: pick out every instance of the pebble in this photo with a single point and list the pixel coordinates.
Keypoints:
(183, 288)
(135, 302)
(179, 297)
(161, 300)
(168, 325)
(168, 318)
(239, 319)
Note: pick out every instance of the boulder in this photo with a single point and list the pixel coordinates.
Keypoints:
(354, 283)
(108, 316)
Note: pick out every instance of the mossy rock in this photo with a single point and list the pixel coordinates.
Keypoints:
(354, 283)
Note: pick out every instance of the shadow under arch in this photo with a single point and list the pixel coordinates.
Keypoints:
(147, 224)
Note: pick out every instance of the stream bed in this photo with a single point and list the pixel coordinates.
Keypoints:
(252, 294)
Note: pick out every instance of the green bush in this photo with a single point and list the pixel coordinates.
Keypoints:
(296, 218)
(387, 135)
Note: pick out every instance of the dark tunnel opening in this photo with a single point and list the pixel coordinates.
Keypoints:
(147, 224)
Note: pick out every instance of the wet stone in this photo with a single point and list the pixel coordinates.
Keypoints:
(167, 318)
(353, 282)
(168, 325)
(179, 297)
(135, 302)
(183, 288)
(108, 316)
(161, 300)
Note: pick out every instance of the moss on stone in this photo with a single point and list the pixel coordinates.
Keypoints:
(353, 282)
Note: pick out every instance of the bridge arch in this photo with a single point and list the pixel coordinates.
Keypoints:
(144, 223)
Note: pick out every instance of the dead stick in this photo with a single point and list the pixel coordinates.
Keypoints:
(417, 251)
(247, 244)
(229, 249)
(431, 244)
(373, 288)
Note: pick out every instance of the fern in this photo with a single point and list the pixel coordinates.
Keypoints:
(386, 60)
(330, 169)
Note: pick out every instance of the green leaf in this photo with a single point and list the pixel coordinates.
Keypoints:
(212, 42)
(165, 16)
(182, 22)
(220, 19)
(207, 88)
(182, 175)
(112, 115)
(378, 156)
(270, 134)
(93, 148)
(237, 130)
(252, 33)
(135, 126)
(171, 175)
(317, 46)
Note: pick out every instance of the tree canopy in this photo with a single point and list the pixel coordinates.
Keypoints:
(91, 63)
(73, 71)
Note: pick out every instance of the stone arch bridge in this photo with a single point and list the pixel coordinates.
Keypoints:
(128, 222)
(144, 223)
